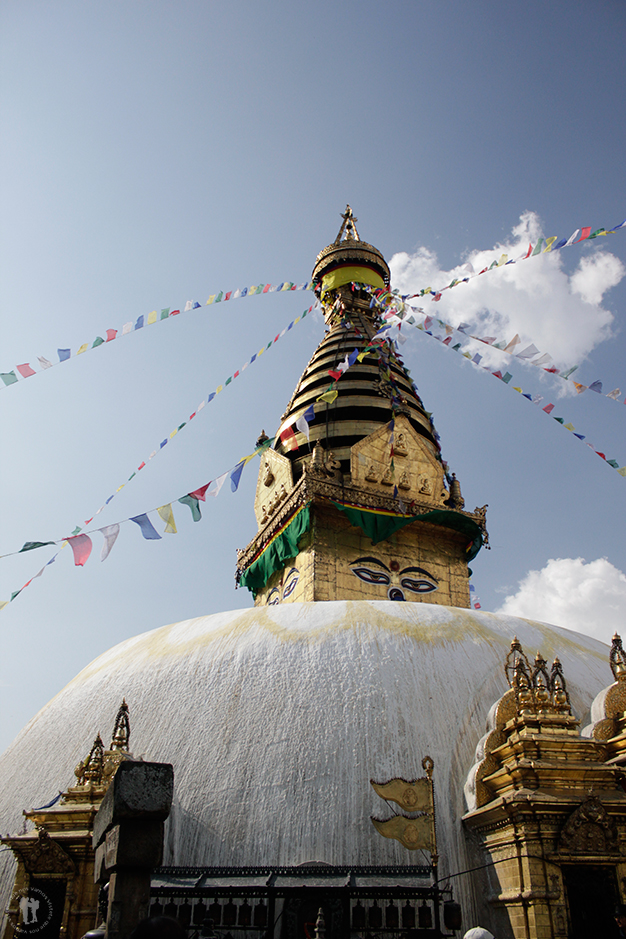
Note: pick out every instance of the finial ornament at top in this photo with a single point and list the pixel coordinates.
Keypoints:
(537, 691)
(348, 228)
(617, 658)
(121, 728)
(91, 770)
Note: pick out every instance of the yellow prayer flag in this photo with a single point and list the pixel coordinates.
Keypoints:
(218, 389)
(517, 389)
(3, 603)
(328, 396)
(569, 427)
(261, 351)
(297, 320)
(83, 348)
(211, 299)
(503, 260)
(120, 487)
(152, 317)
(579, 388)
(549, 242)
(166, 513)
(622, 471)
(174, 432)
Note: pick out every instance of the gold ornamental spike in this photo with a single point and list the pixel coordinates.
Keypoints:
(411, 795)
(348, 228)
(414, 833)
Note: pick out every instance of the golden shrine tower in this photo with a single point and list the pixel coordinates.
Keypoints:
(359, 505)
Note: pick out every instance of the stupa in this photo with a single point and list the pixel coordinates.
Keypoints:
(360, 658)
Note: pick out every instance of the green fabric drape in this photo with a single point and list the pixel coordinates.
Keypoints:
(380, 527)
(284, 546)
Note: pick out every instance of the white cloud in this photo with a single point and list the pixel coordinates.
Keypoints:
(561, 314)
(589, 598)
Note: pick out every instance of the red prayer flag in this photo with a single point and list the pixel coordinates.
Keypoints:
(174, 312)
(111, 334)
(597, 451)
(585, 234)
(81, 545)
(227, 297)
(266, 288)
(289, 439)
(548, 408)
(141, 466)
(200, 493)
(530, 248)
(334, 374)
(236, 373)
(25, 370)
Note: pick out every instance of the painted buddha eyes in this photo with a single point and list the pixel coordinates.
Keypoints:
(288, 586)
(373, 571)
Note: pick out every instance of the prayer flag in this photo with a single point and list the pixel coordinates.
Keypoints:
(111, 334)
(237, 294)
(594, 386)
(83, 348)
(584, 234)
(200, 493)
(98, 341)
(25, 370)
(227, 297)
(560, 244)
(166, 312)
(162, 444)
(219, 482)
(81, 545)
(152, 317)
(188, 306)
(569, 372)
(614, 394)
(303, 422)
(288, 438)
(63, 354)
(528, 352)
(572, 238)
(579, 388)
(109, 533)
(537, 249)
(44, 362)
(126, 328)
(194, 505)
(139, 323)
(9, 378)
(334, 374)
(549, 242)
(147, 528)
(267, 288)
(613, 463)
(244, 292)
(211, 299)
(219, 297)
(569, 426)
(328, 396)
(196, 305)
(166, 513)
(31, 545)
(235, 476)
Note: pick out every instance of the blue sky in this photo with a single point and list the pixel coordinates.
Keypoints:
(154, 153)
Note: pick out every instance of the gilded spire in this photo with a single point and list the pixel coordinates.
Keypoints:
(121, 729)
(348, 227)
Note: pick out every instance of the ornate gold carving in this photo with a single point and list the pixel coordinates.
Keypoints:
(411, 795)
(415, 795)
(424, 485)
(537, 692)
(589, 830)
(404, 481)
(400, 445)
(387, 479)
(414, 833)
(372, 475)
(91, 769)
(268, 476)
(121, 729)
(45, 856)
(617, 659)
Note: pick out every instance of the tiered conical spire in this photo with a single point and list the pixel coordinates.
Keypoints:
(363, 509)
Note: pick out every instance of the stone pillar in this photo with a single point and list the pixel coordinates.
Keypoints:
(128, 840)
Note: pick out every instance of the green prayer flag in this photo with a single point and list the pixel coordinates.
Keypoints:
(194, 505)
(165, 313)
(76, 530)
(507, 377)
(537, 248)
(15, 594)
(228, 380)
(9, 378)
(613, 463)
(284, 546)
(219, 296)
(560, 420)
(98, 341)
(31, 545)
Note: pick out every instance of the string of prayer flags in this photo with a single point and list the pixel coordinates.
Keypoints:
(502, 346)
(27, 371)
(204, 403)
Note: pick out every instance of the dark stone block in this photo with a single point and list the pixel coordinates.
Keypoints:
(139, 790)
(134, 843)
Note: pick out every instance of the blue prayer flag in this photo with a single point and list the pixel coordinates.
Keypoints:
(64, 354)
(139, 323)
(147, 528)
(235, 476)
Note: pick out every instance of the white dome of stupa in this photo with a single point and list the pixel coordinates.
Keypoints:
(276, 718)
